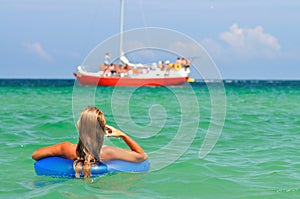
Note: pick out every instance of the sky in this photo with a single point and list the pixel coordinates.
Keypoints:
(249, 39)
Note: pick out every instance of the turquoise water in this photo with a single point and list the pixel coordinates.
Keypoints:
(256, 156)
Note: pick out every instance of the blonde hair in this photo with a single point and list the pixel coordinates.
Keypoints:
(91, 128)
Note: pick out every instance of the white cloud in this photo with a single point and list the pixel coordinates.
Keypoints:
(37, 49)
(244, 43)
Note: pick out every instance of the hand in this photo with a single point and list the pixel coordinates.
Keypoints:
(113, 132)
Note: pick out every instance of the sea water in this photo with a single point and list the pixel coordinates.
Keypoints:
(256, 154)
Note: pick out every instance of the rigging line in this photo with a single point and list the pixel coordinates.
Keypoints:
(144, 22)
(121, 26)
(141, 5)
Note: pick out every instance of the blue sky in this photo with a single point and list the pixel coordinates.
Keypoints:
(257, 39)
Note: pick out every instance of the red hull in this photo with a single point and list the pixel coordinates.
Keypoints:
(87, 80)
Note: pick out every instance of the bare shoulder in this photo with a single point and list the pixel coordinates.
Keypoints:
(68, 145)
(68, 150)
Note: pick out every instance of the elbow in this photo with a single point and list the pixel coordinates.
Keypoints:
(34, 156)
(142, 157)
(145, 156)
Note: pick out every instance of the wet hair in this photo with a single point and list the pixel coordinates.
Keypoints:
(91, 128)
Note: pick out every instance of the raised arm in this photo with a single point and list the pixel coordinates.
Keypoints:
(136, 154)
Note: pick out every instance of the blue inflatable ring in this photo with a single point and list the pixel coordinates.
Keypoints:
(61, 167)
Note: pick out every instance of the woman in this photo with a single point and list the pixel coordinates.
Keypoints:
(89, 149)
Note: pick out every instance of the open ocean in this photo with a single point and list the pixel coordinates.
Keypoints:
(256, 156)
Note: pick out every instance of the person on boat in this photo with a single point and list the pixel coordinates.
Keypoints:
(126, 68)
(178, 61)
(107, 59)
(112, 69)
(103, 67)
(106, 72)
(185, 63)
(92, 127)
(161, 65)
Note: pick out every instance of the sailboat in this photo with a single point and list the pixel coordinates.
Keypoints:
(129, 74)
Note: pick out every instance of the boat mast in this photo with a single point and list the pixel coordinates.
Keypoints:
(121, 27)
